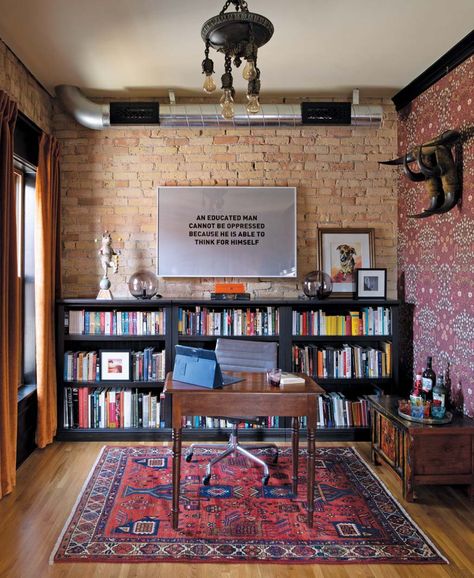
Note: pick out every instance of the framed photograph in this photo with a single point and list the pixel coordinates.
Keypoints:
(371, 284)
(341, 253)
(115, 365)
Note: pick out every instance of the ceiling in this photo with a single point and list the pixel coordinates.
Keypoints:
(135, 48)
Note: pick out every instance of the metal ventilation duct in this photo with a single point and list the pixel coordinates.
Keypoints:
(97, 116)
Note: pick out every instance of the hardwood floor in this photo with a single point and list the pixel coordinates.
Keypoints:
(50, 481)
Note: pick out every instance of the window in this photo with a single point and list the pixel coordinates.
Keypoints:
(25, 181)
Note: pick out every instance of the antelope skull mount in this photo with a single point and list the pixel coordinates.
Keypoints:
(438, 168)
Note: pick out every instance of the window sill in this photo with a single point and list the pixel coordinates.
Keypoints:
(26, 391)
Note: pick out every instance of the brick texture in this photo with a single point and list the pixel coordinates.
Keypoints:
(21, 86)
(110, 180)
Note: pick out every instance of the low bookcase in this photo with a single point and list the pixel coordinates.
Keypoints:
(351, 348)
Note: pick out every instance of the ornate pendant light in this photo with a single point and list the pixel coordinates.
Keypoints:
(238, 35)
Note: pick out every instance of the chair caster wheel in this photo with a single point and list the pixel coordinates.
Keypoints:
(265, 480)
(206, 480)
(189, 457)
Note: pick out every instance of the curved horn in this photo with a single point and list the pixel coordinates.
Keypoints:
(416, 177)
(446, 138)
(426, 169)
(436, 193)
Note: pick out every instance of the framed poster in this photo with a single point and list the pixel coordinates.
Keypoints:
(343, 251)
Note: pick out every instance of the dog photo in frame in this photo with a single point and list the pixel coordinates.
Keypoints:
(341, 252)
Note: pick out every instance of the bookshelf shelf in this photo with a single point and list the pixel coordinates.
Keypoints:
(169, 314)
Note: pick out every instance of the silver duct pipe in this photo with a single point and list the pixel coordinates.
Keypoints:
(97, 116)
(83, 110)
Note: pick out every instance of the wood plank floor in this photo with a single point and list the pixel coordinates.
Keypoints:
(50, 481)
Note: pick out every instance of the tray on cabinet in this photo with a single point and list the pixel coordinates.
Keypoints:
(428, 420)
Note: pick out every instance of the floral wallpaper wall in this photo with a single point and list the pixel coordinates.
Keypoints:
(436, 254)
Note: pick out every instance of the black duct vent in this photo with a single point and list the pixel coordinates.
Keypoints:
(326, 113)
(134, 113)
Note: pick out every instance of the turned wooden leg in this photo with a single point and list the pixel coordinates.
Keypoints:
(408, 478)
(311, 465)
(176, 436)
(295, 438)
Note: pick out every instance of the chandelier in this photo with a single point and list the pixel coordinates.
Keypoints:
(238, 35)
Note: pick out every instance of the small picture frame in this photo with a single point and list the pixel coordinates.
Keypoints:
(371, 284)
(115, 365)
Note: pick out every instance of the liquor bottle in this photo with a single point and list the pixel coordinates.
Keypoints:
(438, 406)
(417, 397)
(447, 385)
(428, 379)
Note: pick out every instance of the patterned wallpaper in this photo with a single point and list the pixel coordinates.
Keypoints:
(436, 254)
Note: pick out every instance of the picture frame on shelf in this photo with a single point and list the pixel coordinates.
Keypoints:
(115, 365)
(371, 284)
(341, 252)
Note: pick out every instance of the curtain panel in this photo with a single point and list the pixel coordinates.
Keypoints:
(47, 285)
(10, 325)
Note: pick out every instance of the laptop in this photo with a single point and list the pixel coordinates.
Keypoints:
(200, 367)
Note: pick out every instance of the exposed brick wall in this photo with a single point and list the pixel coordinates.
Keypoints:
(21, 86)
(110, 180)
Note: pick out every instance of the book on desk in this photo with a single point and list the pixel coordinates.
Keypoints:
(288, 379)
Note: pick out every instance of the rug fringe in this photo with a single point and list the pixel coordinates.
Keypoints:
(384, 486)
(73, 510)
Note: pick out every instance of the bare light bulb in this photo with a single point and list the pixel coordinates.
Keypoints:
(253, 105)
(227, 104)
(209, 85)
(249, 72)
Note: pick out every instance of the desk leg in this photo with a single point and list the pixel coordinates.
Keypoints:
(311, 464)
(295, 438)
(176, 435)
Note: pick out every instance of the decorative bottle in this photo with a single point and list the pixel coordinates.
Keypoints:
(417, 397)
(428, 380)
(438, 406)
(447, 385)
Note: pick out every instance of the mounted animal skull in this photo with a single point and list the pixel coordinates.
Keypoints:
(438, 168)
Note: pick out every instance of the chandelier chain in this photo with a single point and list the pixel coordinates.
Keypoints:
(239, 5)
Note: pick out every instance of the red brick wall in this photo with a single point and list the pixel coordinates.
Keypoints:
(110, 180)
(435, 255)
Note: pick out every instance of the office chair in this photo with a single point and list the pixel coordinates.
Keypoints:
(241, 355)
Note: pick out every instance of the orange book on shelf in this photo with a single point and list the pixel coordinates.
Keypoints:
(229, 288)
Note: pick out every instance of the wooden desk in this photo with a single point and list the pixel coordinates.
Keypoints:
(422, 454)
(252, 396)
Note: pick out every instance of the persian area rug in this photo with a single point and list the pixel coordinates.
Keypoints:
(123, 513)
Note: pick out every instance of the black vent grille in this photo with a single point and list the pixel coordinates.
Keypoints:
(326, 113)
(134, 113)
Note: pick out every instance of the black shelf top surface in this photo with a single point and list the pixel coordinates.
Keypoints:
(122, 384)
(214, 337)
(258, 302)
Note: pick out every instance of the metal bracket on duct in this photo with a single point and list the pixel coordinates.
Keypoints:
(100, 116)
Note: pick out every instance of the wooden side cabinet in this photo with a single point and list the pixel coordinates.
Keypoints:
(422, 454)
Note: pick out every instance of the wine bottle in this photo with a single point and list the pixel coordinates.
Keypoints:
(428, 380)
(417, 397)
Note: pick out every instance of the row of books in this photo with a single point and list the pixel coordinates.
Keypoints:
(335, 410)
(84, 322)
(226, 322)
(204, 422)
(84, 366)
(114, 408)
(367, 321)
(343, 362)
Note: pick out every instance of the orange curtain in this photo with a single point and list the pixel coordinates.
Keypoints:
(47, 285)
(10, 326)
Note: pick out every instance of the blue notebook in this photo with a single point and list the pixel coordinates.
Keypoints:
(199, 367)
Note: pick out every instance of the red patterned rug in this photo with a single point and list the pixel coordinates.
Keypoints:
(123, 513)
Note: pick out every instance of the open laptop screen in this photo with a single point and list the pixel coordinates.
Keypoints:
(199, 366)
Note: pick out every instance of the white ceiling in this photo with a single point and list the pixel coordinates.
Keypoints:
(146, 47)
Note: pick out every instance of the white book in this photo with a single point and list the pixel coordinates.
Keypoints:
(291, 378)
(127, 408)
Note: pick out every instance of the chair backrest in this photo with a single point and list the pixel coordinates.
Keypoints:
(246, 355)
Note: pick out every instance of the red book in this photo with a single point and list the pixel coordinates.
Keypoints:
(102, 322)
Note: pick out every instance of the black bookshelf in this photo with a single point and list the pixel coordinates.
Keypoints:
(282, 309)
